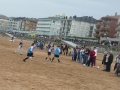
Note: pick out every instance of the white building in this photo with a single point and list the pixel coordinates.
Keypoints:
(81, 29)
(4, 24)
(14, 24)
(49, 26)
(78, 27)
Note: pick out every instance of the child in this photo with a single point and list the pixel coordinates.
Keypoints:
(56, 54)
(19, 47)
(30, 52)
(49, 52)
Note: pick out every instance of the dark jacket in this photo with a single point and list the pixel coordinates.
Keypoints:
(104, 59)
(110, 59)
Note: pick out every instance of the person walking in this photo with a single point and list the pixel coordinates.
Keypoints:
(30, 52)
(56, 54)
(20, 47)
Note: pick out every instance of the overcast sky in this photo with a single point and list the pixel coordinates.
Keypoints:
(45, 8)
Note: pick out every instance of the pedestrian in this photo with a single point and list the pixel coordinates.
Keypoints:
(19, 47)
(30, 52)
(56, 54)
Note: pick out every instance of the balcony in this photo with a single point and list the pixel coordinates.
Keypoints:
(118, 23)
(96, 30)
(104, 29)
(98, 24)
(96, 35)
(105, 22)
(118, 29)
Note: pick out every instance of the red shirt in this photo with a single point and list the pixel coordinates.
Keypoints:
(92, 54)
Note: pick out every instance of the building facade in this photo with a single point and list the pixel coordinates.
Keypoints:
(82, 26)
(117, 35)
(106, 26)
(22, 23)
(76, 26)
(29, 24)
(4, 22)
(49, 26)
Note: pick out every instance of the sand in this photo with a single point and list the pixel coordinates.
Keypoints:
(38, 74)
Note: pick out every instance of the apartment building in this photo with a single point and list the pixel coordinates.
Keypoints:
(106, 26)
(22, 23)
(82, 26)
(117, 35)
(76, 26)
(3, 22)
(15, 23)
(48, 26)
(29, 24)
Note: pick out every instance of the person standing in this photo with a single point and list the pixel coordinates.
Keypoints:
(117, 62)
(81, 55)
(109, 61)
(30, 52)
(87, 52)
(91, 57)
(56, 54)
(103, 61)
(19, 47)
(95, 50)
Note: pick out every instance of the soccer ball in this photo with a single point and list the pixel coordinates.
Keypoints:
(98, 67)
(30, 58)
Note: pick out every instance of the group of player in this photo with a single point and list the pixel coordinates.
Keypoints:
(31, 49)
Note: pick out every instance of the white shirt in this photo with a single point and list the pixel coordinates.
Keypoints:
(95, 52)
(31, 48)
(82, 51)
(118, 60)
(107, 57)
(50, 49)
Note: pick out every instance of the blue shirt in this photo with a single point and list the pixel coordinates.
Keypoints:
(57, 51)
(30, 49)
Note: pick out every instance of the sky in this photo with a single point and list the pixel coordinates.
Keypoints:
(45, 8)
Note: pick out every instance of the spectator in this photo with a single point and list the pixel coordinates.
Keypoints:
(95, 50)
(87, 52)
(103, 61)
(91, 58)
(109, 61)
(117, 62)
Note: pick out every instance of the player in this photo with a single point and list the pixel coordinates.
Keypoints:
(30, 52)
(56, 54)
(49, 52)
(19, 47)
